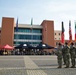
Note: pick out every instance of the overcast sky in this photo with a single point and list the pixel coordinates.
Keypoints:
(39, 10)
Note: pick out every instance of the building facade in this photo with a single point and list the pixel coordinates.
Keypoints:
(57, 38)
(27, 33)
(57, 35)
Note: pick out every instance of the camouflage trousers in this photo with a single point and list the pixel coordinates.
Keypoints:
(73, 60)
(59, 60)
(67, 60)
(64, 60)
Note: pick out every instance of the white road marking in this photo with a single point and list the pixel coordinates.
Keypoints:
(31, 65)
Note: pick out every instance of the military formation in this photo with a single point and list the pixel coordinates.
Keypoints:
(66, 53)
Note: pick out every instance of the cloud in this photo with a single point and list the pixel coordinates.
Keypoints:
(57, 10)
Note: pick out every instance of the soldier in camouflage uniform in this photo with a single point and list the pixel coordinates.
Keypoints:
(72, 53)
(75, 49)
(67, 55)
(59, 55)
(63, 53)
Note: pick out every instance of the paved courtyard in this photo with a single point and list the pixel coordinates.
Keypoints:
(32, 65)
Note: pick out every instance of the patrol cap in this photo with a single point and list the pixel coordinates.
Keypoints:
(59, 43)
(66, 43)
(72, 43)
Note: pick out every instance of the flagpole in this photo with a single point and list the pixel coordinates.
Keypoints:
(31, 31)
(16, 38)
(62, 34)
(17, 32)
(32, 35)
(75, 31)
(70, 33)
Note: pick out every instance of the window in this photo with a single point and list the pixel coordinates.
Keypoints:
(37, 31)
(34, 37)
(27, 42)
(29, 30)
(55, 33)
(59, 33)
(55, 38)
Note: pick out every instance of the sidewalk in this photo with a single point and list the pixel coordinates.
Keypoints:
(34, 69)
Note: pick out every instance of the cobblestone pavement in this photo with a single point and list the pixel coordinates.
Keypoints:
(32, 65)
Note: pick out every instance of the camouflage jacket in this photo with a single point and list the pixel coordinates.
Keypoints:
(72, 50)
(59, 51)
(66, 50)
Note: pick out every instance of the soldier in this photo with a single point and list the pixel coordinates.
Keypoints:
(59, 55)
(63, 53)
(67, 55)
(75, 49)
(72, 53)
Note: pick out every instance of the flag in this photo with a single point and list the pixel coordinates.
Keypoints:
(31, 24)
(70, 33)
(62, 34)
(32, 21)
(75, 31)
(17, 25)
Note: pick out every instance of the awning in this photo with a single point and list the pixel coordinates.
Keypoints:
(24, 46)
(7, 47)
(44, 46)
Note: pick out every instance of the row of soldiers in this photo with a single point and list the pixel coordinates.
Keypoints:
(64, 53)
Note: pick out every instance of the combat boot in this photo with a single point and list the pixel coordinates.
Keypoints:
(67, 67)
(64, 64)
(72, 66)
(59, 67)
